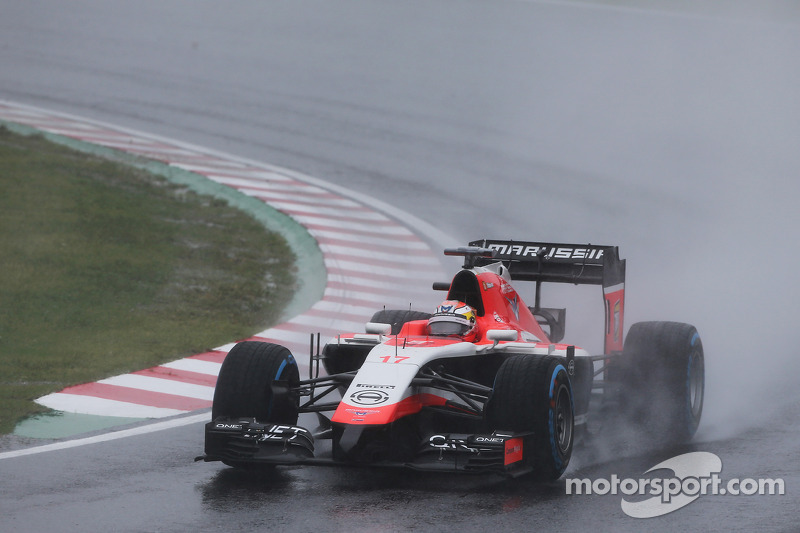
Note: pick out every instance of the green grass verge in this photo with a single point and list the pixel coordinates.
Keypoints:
(105, 269)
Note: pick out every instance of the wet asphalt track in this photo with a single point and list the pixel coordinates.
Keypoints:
(670, 133)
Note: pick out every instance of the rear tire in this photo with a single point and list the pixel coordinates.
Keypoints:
(534, 394)
(245, 384)
(666, 372)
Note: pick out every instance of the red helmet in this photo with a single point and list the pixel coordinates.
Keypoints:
(454, 319)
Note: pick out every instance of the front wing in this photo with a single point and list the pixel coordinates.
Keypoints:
(247, 442)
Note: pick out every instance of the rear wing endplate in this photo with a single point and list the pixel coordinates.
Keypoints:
(580, 264)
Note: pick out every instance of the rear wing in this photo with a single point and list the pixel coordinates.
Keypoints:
(580, 264)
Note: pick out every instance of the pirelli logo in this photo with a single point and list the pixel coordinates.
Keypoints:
(547, 251)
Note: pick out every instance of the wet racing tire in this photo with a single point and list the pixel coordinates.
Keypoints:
(534, 394)
(666, 373)
(255, 381)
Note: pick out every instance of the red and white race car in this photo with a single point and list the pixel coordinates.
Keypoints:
(483, 384)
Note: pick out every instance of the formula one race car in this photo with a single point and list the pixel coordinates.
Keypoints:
(484, 384)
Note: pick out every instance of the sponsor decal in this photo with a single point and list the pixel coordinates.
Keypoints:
(371, 386)
(362, 412)
(369, 397)
(513, 451)
(280, 433)
(505, 287)
(227, 426)
(489, 440)
(548, 252)
(443, 442)
(469, 443)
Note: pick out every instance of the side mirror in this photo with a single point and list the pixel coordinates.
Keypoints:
(377, 328)
(498, 335)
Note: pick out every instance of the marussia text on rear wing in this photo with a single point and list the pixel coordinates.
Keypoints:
(581, 264)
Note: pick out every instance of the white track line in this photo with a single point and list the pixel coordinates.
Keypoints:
(106, 437)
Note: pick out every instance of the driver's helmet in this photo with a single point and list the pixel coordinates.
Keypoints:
(454, 319)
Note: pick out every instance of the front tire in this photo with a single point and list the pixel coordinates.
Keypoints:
(534, 394)
(249, 378)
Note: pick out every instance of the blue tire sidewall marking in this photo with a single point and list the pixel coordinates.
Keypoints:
(551, 414)
(280, 369)
(288, 361)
